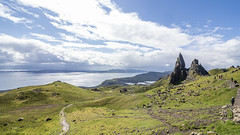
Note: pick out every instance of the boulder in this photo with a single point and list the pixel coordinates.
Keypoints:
(48, 119)
(149, 106)
(95, 89)
(123, 90)
(20, 119)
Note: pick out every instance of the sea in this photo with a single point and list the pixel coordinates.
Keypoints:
(13, 80)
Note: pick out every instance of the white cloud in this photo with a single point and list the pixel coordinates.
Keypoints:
(34, 51)
(218, 55)
(44, 37)
(7, 13)
(40, 26)
(68, 37)
(30, 51)
(188, 26)
(125, 46)
(125, 40)
(90, 20)
(114, 46)
(20, 8)
(166, 65)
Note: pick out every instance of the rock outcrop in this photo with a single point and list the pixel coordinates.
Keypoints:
(180, 72)
(196, 69)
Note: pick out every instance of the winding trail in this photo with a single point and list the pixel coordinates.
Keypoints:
(63, 122)
(237, 99)
(236, 110)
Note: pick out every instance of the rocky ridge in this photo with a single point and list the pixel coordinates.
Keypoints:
(180, 73)
(196, 69)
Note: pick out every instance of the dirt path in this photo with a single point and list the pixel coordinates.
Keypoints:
(63, 121)
(237, 101)
(236, 109)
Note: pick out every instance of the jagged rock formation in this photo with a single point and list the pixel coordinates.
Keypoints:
(196, 69)
(180, 72)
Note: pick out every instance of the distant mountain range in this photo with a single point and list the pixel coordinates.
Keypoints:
(87, 71)
(150, 76)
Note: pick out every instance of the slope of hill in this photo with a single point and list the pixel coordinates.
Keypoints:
(196, 105)
(219, 70)
(192, 106)
(35, 104)
(150, 76)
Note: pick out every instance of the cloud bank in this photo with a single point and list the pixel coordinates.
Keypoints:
(98, 33)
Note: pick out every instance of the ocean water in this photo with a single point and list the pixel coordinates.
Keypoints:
(12, 80)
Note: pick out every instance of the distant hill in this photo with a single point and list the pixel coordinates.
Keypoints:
(87, 71)
(150, 76)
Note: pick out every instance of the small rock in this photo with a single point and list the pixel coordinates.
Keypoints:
(225, 106)
(95, 89)
(236, 119)
(149, 106)
(48, 119)
(210, 132)
(194, 133)
(20, 119)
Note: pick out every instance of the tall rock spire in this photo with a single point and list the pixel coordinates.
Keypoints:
(180, 72)
(181, 61)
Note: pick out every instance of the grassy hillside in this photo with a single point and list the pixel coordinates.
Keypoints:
(157, 109)
(37, 103)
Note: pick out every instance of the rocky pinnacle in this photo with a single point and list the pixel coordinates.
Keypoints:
(180, 72)
(196, 69)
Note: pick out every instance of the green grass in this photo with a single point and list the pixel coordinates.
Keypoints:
(159, 108)
(103, 120)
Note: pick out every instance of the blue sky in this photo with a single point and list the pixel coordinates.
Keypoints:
(113, 34)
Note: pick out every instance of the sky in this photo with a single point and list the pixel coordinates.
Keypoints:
(118, 34)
